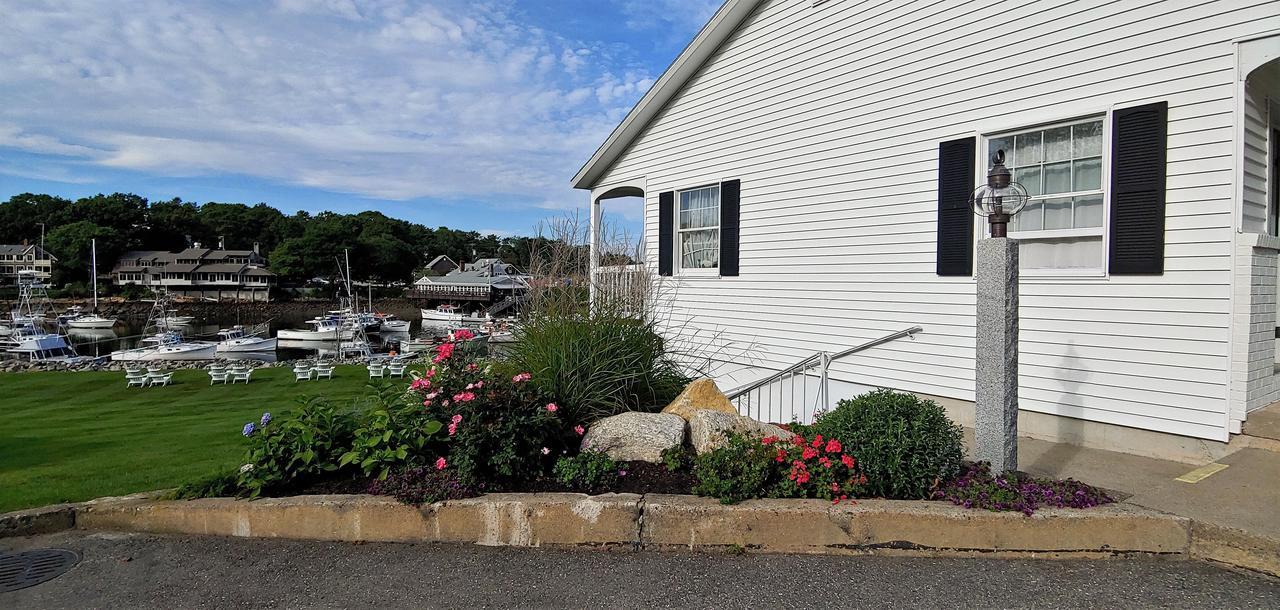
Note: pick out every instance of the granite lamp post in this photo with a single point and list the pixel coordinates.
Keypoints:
(996, 427)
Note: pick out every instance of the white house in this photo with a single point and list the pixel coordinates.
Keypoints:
(805, 166)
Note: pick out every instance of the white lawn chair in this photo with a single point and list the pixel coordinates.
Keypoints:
(324, 369)
(217, 374)
(377, 369)
(157, 377)
(240, 374)
(302, 372)
(135, 377)
(396, 368)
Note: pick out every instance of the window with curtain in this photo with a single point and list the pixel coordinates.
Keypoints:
(1061, 167)
(698, 233)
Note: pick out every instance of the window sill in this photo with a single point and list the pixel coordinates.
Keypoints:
(1049, 275)
(699, 273)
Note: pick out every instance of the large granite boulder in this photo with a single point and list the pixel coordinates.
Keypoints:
(709, 430)
(635, 436)
(701, 394)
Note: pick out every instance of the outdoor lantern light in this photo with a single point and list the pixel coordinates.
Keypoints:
(1000, 198)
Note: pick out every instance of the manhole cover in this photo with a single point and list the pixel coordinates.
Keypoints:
(30, 568)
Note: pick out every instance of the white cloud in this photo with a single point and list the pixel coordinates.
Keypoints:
(380, 98)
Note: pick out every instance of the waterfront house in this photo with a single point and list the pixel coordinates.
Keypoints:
(24, 257)
(805, 167)
(198, 272)
(439, 265)
(487, 280)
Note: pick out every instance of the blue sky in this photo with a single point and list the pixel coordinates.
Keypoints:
(447, 112)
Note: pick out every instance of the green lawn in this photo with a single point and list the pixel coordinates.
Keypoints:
(66, 437)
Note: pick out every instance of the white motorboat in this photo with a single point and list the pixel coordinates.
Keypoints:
(5, 331)
(443, 313)
(235, 339)
(322, 329)
(27, 342)
(79, 319)
(393, 325)
(173, 319)
(90, 321)
(168, 345)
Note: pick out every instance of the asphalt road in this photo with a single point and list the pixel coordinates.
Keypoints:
(130, 570)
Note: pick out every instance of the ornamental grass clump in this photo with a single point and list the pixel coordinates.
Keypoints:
(905, 445)
(1014, 491)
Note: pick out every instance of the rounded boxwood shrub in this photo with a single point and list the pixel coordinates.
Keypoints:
(905, 445)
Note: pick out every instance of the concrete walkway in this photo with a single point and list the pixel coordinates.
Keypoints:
(1245, 495)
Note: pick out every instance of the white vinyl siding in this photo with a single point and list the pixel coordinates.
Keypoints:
(1256, 193)
(832, 120)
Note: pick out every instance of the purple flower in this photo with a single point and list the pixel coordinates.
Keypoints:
(249, 428)
(266, 419)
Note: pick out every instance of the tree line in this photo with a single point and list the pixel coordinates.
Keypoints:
(298, 246)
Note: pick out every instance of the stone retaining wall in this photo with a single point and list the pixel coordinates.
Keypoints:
(657, 521)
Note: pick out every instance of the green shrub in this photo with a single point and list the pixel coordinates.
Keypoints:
(295, 449)
(597, 364)
(770, 467)
(740, 470)
(218, 485)
(905, 445)
(392, 435)
(678, 459)
(588, 472)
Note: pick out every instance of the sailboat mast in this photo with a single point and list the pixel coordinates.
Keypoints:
(93, 256)
(346, 254)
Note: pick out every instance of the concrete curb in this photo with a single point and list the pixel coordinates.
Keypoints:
(657, 521)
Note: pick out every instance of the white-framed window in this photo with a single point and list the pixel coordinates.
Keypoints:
(698, 228)
(1063, 167)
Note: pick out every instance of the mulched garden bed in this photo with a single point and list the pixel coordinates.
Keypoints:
(640, 478)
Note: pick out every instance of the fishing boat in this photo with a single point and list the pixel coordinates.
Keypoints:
(443, 313)
(26, 340)
(30, 343)
(235, 339)
(328, 328)
(91, 319)
(167, 346)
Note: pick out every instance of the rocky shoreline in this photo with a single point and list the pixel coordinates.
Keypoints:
(106, 364)
(221, 309)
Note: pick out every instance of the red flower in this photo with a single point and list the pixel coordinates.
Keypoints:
(847, 461)
(809, 453)
(817, 441)
(781, 456)
(768, 440)
(826, 463)
(463, 334)
(833, 446)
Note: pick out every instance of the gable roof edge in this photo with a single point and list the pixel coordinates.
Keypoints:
(723, 23)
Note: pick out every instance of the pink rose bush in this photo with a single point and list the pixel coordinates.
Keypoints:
(500, 431)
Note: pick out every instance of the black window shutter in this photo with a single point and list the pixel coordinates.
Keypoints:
(666, 231)
(1139, 141)
(730, 195)
(955, 217)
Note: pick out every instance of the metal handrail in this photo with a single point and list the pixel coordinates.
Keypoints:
(809, 362)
